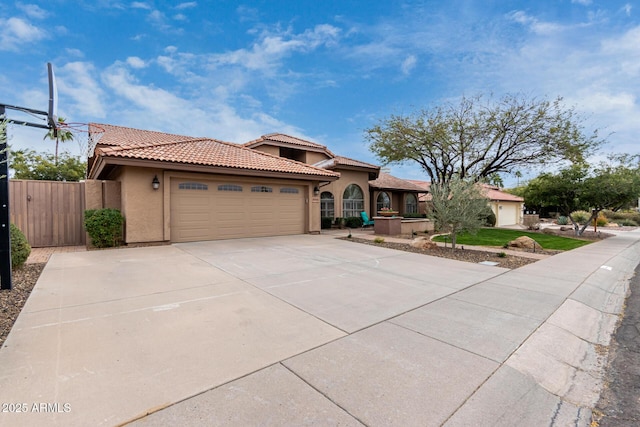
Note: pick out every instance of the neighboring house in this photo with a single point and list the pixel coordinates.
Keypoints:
(180, 188)
(507, 208)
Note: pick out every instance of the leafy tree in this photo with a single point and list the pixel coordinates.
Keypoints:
(29, 164)
(476, 139)
(610, 185)
(457, 206)
(518, 175)
(59, 134)
(495, 179)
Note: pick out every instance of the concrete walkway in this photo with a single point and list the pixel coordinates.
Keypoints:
(310, 330)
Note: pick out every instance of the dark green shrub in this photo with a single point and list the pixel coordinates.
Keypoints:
(353, 222)
(563, 220)
(20, 248)
(414, 215)
(325, 222)
(490, 220)
(502, 255)
(104, 227)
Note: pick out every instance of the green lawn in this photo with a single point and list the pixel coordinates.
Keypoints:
(500, 236)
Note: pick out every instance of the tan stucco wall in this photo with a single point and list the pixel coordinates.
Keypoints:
(397, 200)
(102, 194)
(313, 157)
(269, 149)
(93, 194)
(348, 177)
(142, 206)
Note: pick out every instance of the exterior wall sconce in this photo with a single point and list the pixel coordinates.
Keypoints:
(316, 190)
(155, 183)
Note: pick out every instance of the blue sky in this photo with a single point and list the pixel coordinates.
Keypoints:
(320, 70)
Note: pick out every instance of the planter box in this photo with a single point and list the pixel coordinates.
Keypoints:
(418, 225)
(387, 213)
(388, 226)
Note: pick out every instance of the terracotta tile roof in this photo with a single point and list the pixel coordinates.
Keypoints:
(491, 191)
(494, 193)
(288, 140)
(196, 151)
(390, 182)
(424, 185)
(344, 161)
(128, 137)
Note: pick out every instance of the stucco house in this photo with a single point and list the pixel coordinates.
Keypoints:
(176, 188)
(507, 208)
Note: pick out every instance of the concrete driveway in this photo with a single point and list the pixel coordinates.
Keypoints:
(310, 330)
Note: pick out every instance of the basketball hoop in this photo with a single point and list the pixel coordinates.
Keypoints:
(80, 127)
(52, 112)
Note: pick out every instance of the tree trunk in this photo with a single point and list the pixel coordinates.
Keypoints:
(453, 240)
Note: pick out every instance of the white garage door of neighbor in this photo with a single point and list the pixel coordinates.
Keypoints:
(211, 210)
(508, 215)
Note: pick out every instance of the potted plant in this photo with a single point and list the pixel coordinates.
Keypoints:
(387, 212)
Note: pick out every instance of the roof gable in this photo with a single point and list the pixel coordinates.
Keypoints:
(337, 161)
(283, 140)
(122, 143)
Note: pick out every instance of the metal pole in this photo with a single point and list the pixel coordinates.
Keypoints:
(5, 236)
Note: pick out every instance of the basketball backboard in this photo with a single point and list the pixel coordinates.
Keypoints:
(52, 112)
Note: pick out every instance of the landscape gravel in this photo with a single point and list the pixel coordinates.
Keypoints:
(12, 301)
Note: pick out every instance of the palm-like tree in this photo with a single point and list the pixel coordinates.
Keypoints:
(61, 133)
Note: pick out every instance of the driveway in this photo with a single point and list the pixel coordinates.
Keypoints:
(310, 330)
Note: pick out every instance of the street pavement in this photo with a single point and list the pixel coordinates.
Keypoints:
(311, 330)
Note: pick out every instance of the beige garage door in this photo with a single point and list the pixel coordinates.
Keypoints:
(211, 210)
(507, 214)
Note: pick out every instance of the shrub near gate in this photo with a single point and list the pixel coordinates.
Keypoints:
(104, 227)
(20, 248)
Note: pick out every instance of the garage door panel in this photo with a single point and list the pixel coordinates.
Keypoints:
(214, 214)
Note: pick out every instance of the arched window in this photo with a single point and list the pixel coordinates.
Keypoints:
(326, 205)
(383, 201)
(352, 201)
(410, 204)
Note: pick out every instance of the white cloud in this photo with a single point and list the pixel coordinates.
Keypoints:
(627, 9)
(535, 25)
(15, 32)
(187, 5)
(141, 5)
(582, 2)
(408, 64)
(33, 10)
(74, 52)
(180, 17)
(135, 62)
(247, 13)
(148, 107)
(272, 47)
(76, 80)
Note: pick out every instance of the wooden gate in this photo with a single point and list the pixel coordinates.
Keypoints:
(49, 213)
